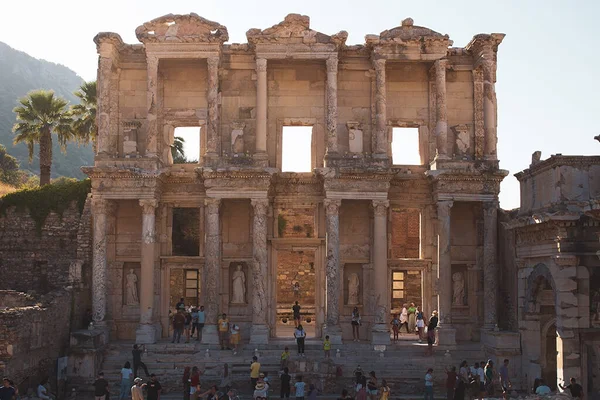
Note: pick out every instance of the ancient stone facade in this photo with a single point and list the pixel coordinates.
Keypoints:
(357, 216)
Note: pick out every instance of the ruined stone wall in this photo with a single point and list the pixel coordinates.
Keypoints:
(296, 266)
(34, 332)
(38, 261)
(236, 222)
(508, 281)
(354, 103)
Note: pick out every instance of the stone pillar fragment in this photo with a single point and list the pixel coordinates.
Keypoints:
(212, 271)
(100, 209)
(490, 271)
(260, 272)
(147, 331)
(381, 144)
(446, 334)
(441, 109)
(152, 107)
(332, 113)
(212, 131)
(381, 333)
(261, 108)
(332, 269)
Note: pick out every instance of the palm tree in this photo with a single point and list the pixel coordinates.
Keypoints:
(84, 114)
(39, 115)
(177, 151)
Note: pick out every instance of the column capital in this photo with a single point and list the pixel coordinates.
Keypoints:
(441, 64)
(148, 206)
(152, 62)
(379, 64)
(261, 206)
(212, 204)
(490, 205)
(261, 64)
(213, 62)
(103, 206)
(332, 206)
(332, 64)
(380, 207)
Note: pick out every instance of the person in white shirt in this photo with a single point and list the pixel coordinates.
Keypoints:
(42, 392)
(126, 375)
(300, 335)
(404, 318)
(136, 389)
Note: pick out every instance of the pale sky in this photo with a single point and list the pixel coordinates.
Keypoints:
(547, 91)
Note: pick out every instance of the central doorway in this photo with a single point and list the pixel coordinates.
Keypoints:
(296, 281)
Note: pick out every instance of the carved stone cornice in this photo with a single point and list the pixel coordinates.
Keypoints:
(558, 160)
(468, 180)
(259, 179)
(189, 28)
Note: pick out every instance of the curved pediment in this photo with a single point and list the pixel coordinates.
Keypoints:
(188, 28)
(295, 28)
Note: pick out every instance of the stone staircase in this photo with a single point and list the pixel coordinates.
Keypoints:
(403, 365)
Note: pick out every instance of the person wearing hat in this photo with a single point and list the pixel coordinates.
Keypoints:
(136, 389)
(261, 389)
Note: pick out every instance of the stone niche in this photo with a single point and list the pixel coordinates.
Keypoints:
(237, 138)
(239, 284)
(355, 137)
(462, 141)
(130, 138)
(129, 302)
(353, 277)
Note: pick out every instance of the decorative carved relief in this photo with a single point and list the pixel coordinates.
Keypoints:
(190, 28)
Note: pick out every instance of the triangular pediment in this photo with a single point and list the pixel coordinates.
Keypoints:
(188, 28)
(408, 32)
(295, 28)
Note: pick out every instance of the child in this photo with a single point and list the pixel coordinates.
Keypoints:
(299, 388)
(285, 358)
(234, 338)
(395, 326)
(429, 384)
(327, 346)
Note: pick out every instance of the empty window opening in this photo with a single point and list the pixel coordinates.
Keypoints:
(185, 148)
(186, 232)
(405, 146)
(296, 149)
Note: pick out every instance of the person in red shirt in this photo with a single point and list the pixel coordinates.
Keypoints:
(450, 383)
(194, 381)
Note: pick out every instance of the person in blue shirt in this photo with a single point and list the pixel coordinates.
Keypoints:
(299, 388)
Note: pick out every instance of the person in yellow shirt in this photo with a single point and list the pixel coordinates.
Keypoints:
(327, 346)
(223, 330)
(254, 371)
(285, 357)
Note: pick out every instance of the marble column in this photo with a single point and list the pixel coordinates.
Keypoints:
(260, 272)
(212, 270)
(100, 209)
(489, 106)
(478, 115)
(261, 109)
(105, 66)
(148, 331)
(446, 334)
(490, 270)
(441, 110)
(381, 332)
(152, 107)
(332, 270)
(381, 142)
(332, 113)
(212, 97)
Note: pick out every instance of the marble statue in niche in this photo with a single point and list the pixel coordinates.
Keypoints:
(353, 289)
(131, 291)
(237, 138)
(458, 289)
(239, 286)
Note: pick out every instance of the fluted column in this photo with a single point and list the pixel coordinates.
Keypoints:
(446, 334)
(212, 97)
(490, 270)
(105, 65)
(441, 109)
(332, 269)
(212, 265)
(332, 113)
(489, 106)
(100, 210)
(147, 331)
(380, 272)
(260, 272)
(152, 107)
(261, 108)
(381, 145)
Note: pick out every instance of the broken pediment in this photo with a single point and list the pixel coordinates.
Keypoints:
(189, 28)
(295, 28)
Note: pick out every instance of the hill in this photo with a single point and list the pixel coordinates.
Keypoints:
(20, 73)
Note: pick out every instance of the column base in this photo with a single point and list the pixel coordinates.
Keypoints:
(148, 333)
(259, 334)
(334, 332)
(210, 335)
(380, 334)
(446, 336)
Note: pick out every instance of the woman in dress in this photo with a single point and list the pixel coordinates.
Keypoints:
(420, 324)
(300, 335)
(433, 322)
(412, 321)
(355, 324)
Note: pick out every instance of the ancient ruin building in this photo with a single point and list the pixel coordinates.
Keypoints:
(235, 233)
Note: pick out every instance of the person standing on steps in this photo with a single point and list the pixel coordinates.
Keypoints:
(153, 388)
(429, 384)
(194, 382)
(296, 311)
(431, 327)
(223, 331)
(180, 305)
(194, 315)
(372, 386)
(234, 337)
(201, 321)
(300, 336)
(327, 346)
(186, 383)
(137, 389)
(285, 358)
(126, 375)
(285, 380)
(395, 326)
(355, 324)
(100, 387)
(420, 324)
(404, 318)
(178, 325)
(137, 360)
(187, 325)
(505, 382)
(385, 390)
(299, 388)
(450, 382)
(412, 320)
(575, 388)
(254, 371)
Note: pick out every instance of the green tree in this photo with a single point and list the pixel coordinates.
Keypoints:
(40, 114)
(84, 114)
(9, 168)
(177, 151)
